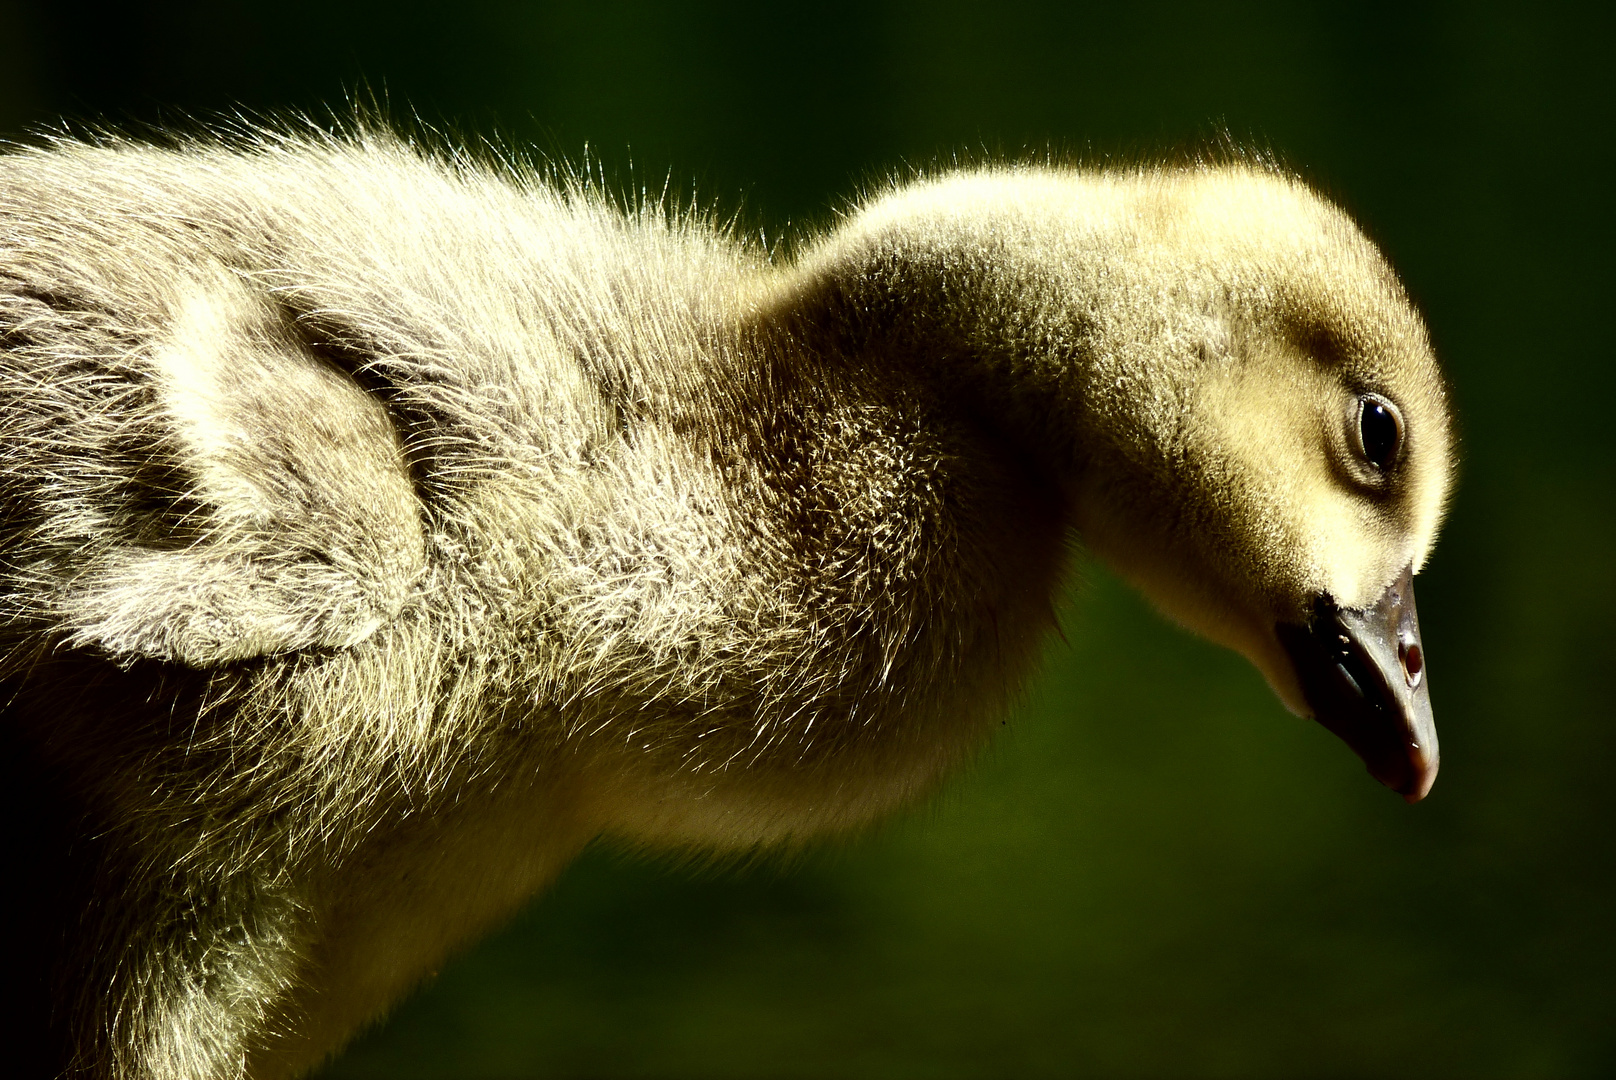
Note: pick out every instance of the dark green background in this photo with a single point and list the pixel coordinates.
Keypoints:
(1156, 871)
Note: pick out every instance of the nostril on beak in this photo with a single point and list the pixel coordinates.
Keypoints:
(1413, 658)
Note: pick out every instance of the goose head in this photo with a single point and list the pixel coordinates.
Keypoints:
(1233, 391)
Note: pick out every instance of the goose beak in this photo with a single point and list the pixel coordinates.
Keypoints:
(1363, 675)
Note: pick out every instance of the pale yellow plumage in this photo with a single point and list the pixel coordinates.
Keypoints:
(383, 530)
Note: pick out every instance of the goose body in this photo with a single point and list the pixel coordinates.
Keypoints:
(379, 530)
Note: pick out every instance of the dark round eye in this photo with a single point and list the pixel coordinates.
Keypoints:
(1380, 431)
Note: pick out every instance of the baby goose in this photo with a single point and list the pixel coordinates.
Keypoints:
(378, 530)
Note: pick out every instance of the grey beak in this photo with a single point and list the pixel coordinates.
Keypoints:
(1363, 674)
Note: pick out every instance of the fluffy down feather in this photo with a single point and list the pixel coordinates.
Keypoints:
(378, 529)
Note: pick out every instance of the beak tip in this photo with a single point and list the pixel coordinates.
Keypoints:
(1414, 781)
(1424, 777)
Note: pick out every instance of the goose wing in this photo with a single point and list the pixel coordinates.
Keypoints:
(183, 479)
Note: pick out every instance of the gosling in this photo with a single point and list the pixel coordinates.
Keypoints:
(379, 528)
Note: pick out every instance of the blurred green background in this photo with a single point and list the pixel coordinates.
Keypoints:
(1156, 871)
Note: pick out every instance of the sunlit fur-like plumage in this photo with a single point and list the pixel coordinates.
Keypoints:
(380, 529)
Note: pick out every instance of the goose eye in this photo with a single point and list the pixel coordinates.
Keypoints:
(1380, 431)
